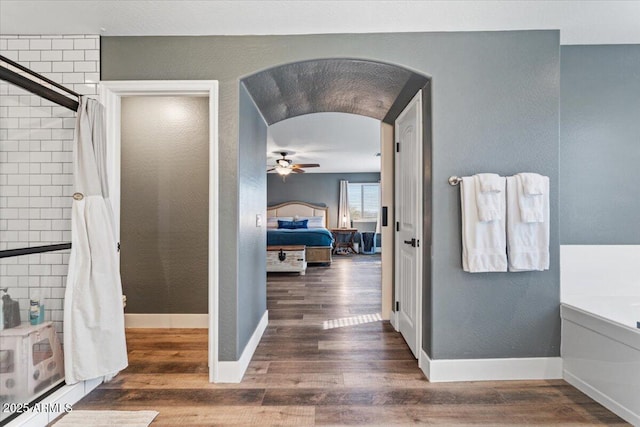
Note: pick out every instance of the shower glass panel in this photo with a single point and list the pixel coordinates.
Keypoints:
(36, 177)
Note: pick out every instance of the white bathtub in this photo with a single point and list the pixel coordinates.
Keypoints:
(601, 351)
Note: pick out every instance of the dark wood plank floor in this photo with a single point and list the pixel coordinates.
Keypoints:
(304, 374)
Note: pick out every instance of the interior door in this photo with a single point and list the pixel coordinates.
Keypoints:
(408, 206)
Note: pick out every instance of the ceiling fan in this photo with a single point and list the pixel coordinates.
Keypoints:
(284, 166)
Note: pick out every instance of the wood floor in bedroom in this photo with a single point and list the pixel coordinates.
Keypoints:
(304, 374)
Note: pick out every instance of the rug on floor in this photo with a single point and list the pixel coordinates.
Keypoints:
(107, 419)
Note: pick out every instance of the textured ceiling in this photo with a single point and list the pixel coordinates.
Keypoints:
(350, 86)
(338, 142)
(579, 22)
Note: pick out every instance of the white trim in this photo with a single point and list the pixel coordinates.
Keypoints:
(166, 320)
(232, 372)
(67, 395)
(526, 368)
(387, 199)
(110, 95)
(602, 399)
(424, 362)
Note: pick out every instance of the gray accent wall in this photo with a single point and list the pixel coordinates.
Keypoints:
(600, 145)
(164, 204)
(314, 188)
(495, 109)
(252, 240)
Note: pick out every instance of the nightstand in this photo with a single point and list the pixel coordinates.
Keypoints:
(343, 239)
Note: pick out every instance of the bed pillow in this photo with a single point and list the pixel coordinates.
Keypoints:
(314, 221)
(292, 225)
(272, 221)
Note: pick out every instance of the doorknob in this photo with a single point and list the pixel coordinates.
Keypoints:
(411, 242)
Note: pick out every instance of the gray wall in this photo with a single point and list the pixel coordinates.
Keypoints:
(600, 145)
(501, 115)
(495, 108)
(252, 240)
(164, 205)
(314, 188)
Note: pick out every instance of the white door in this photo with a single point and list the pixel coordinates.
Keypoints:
(408, 206)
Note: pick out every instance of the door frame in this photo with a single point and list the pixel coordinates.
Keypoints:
(111, 93)
(417, 99)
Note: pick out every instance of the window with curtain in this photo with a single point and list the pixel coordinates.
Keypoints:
(364, 201)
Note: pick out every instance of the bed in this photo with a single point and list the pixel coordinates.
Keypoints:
(317, 239)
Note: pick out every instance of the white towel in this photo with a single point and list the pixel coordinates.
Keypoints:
(533, 183)
(527, 242)
(531, 206)
(483, 243)
(490, 182)
(490, 194)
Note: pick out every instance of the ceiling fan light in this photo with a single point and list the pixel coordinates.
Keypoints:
(282, 170)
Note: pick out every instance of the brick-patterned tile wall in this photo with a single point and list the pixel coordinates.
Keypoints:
(36, 170)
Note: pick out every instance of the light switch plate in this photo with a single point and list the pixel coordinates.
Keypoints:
(258, 220)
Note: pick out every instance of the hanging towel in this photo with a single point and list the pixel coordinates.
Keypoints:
(94, 339)
(483, 243)
(532, 183)
(490, 182)
(490, 194)
(527, 242)
(531, 205)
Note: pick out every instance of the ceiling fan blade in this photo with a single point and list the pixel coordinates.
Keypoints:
(272, 169)
(306, 165)
(296, 170)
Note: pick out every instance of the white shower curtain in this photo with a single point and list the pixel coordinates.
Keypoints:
(94, 340)
(344, 217)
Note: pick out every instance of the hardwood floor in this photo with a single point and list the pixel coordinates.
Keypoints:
(303, 374)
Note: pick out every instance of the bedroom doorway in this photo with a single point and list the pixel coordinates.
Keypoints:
(366, 88)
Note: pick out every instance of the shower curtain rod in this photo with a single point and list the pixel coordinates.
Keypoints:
(35, 87)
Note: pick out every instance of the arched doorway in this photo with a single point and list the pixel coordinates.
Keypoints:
(356, 86)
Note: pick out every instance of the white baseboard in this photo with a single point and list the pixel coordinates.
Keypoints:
(603, 399)
(55, 404)
(530, 368)
(232, 372)
(424, 363)
(166, 320)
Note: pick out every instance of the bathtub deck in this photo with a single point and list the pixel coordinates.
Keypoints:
(303, 374)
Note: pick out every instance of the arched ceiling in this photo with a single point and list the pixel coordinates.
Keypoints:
(367, 88)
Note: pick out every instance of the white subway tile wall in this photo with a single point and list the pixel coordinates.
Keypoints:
(36, 170)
